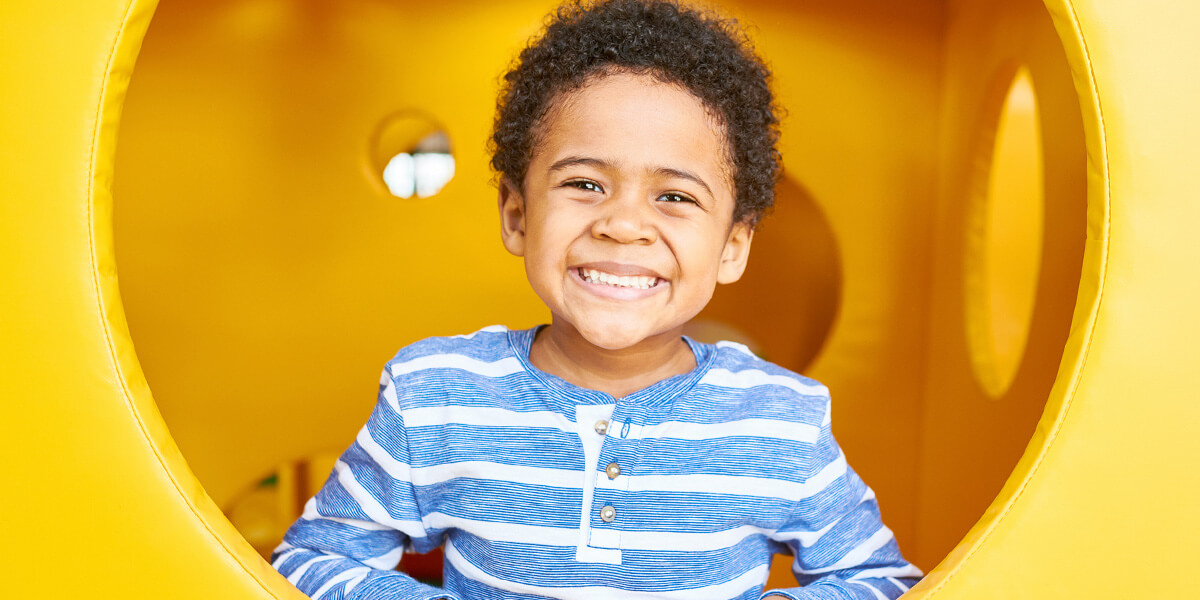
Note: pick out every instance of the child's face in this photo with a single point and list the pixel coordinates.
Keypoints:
(625, 217)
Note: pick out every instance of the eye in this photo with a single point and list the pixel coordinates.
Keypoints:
(586, 185)
(677, 197)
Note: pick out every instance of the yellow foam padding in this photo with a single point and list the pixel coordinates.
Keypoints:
(97, 499)
(1104, 479)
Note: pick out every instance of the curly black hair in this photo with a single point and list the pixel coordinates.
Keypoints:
(706, 54)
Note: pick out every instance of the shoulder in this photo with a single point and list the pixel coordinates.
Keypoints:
(734, 366)
(761, 388)
(472, 352)
(471, 363)
(486, 343)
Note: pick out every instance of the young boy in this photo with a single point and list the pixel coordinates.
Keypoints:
(606, 455)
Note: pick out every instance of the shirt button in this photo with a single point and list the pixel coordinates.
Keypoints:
(613, 469)
(602, 427)
(607, 514)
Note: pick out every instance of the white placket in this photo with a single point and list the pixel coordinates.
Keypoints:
(586, 418)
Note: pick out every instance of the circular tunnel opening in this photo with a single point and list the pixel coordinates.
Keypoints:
(266, 279)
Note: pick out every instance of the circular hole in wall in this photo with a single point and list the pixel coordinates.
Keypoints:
(784, 306)
(411, 154)
(1004, 239)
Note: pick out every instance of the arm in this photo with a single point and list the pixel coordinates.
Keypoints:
(354, 530)
(842, 548)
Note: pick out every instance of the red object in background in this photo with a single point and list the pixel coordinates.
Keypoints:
(424, 567)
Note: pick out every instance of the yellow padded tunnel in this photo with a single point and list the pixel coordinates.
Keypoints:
(266, 273)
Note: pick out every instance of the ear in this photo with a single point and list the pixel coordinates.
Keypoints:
(736, 253)
(512, 217)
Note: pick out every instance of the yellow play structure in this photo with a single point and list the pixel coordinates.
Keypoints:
(984, 245)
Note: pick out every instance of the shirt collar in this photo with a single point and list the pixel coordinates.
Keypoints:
(658, 393)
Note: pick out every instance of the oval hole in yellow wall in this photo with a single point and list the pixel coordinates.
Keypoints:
(1004, 245)
(784, 306)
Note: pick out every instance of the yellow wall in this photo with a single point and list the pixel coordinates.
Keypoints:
(266, 274)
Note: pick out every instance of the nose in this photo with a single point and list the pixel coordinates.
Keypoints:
(626, 218)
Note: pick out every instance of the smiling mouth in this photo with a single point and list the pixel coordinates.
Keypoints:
(639, 282)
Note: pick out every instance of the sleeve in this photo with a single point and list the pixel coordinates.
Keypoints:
(841, 547)
(352, 533)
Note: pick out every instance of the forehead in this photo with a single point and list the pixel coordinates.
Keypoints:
(636, 121)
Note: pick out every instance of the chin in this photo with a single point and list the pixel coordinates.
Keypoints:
(610, 339)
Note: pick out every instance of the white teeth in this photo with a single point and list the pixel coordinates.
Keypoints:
(629, 281)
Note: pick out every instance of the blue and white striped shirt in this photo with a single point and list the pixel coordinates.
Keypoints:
(539, 488)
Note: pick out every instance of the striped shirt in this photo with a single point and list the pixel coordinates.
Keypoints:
(539, 488)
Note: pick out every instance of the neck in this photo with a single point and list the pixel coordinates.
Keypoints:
(561, 351)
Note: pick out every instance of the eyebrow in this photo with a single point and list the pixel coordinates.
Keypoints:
(688, 175)
(572, 161)
(602, 164)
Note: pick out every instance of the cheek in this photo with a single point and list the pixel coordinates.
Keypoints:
(555, 234)
(705, 254)
(545, 258)
(538, 264)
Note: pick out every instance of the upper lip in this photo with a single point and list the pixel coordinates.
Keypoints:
(620, 269)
